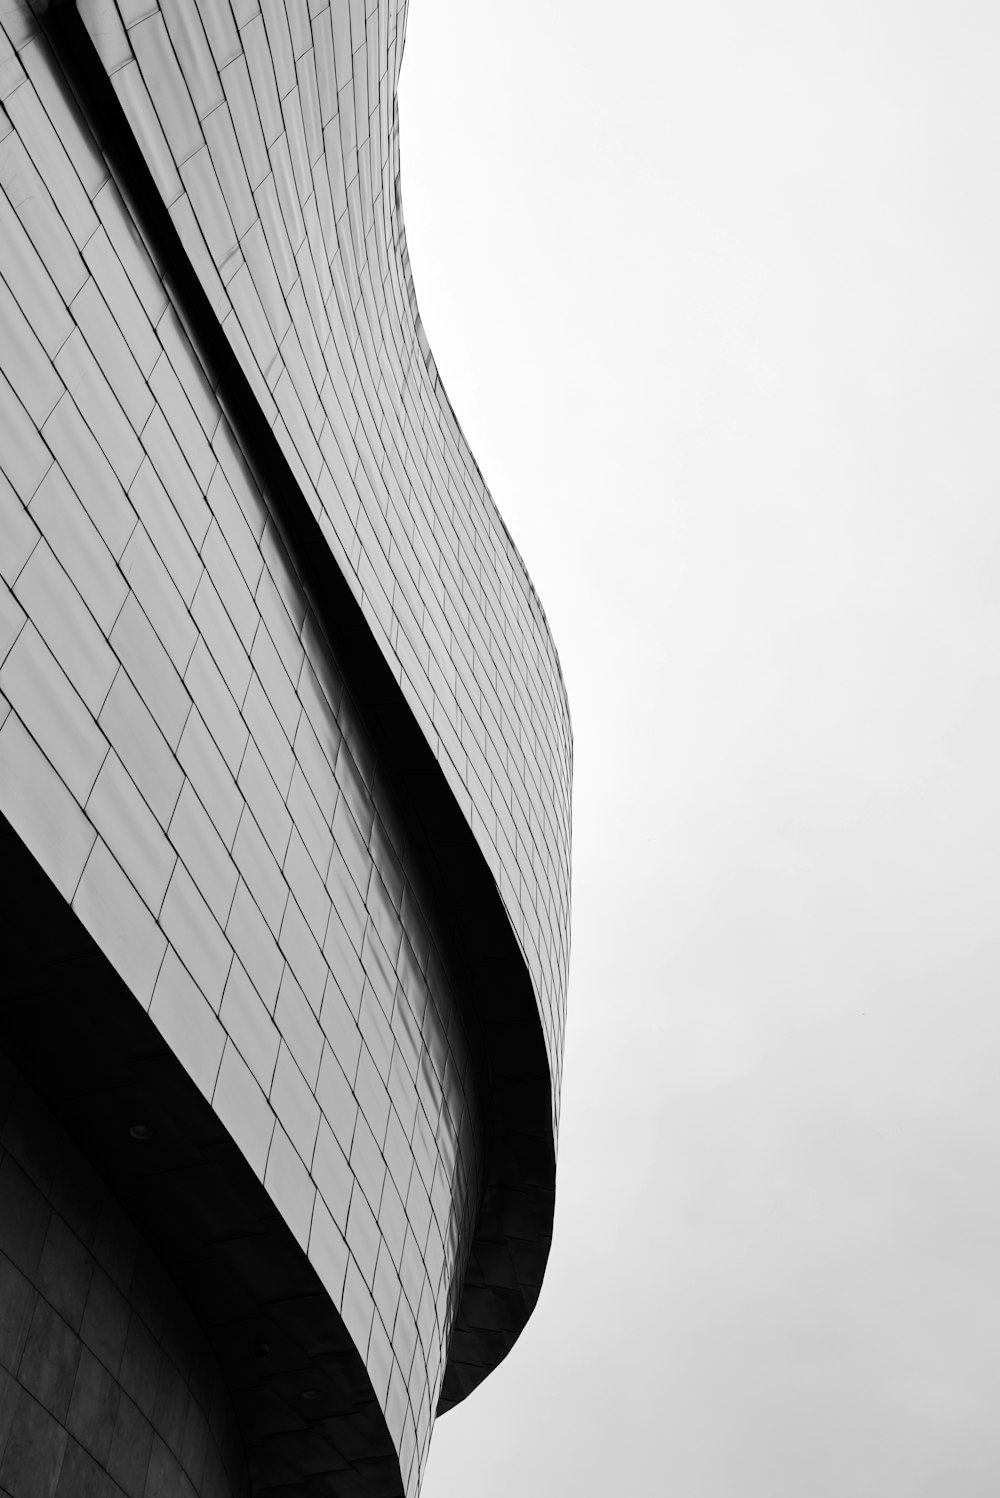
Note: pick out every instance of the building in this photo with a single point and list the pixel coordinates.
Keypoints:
(285, 767)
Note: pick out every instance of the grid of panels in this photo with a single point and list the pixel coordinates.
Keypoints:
(272, 132)
(175, 742)
(178, 750)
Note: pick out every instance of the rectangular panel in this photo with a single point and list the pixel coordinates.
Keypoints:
(367, 1162)
(195, 935)
(187, 32)
(209, 204)
(336, 1098)
(19, 531)
(279, 43)
(41, 810)
(209, 690)
(314, 830)
(227, 160)
(125, 334)
(138, 274)
(165, 530)
(193, 449)
(231, 517)
(349, 926)
(94, 480)
(362, 1234)
(250, 1025)
(99, 405)
(187, 1023)
(67, 626)
(161, 603)
(221, 637)
(279, 248)
(372, 1095)
(187, 497)
(141, 747)
(210, 776)
(263, 877)
(287, 1181)
(264, 800)
(130, 86)
(151, 669)
(234, 595)
(12, 621)
(48, 705)
(303, 953)
(48, 152)
(24, 458)
(243, 108)
(332, 1175)
(30, 281)
(120, 923)
(255, 946)
(244, 1110)
(203, 852)
(307, 885)
(269, 736)
(261, 67)
(167, 87)
(131, 831)
(294, 1104)
(339, 1027)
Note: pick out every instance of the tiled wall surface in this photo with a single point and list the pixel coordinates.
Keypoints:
(107, 1389)
(272, 132)
(176, 744)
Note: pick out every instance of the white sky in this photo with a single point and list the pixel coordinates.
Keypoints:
(715, 291)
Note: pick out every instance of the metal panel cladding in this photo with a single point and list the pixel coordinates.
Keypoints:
(179, 747)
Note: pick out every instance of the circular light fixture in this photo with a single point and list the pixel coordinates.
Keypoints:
(261, 1350)
(141, 1131)
(311, 1394)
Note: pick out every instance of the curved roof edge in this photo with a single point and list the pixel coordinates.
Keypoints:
(434, 374)
(398, 227)
(511, 1245)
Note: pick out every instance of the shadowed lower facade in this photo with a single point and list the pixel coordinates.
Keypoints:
(285, 766)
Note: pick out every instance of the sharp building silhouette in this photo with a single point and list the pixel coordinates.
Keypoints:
(285, 777)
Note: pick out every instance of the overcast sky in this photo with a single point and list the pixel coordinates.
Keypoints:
(715, 291)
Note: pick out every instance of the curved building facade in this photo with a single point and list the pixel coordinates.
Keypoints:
(285, 765)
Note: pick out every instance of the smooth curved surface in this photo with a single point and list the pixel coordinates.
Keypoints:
(345, 908)
(275, 145)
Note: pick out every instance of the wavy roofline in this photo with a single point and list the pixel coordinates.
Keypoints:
(434, 373)
(518, 1201)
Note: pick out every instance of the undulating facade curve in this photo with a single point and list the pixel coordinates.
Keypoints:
(285, 777)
